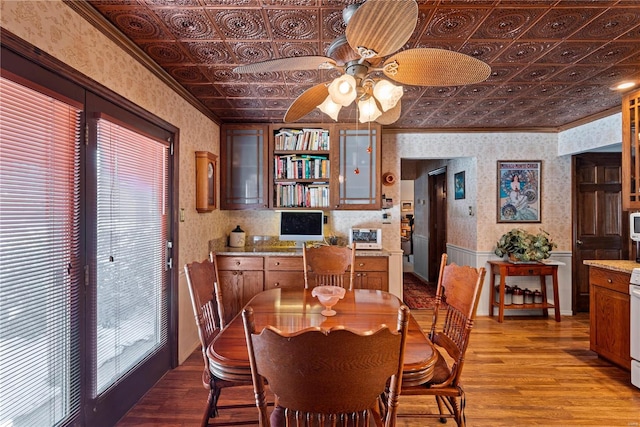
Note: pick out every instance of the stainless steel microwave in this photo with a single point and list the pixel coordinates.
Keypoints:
(366, 238)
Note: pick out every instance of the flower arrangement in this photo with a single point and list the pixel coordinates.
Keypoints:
(524, 246)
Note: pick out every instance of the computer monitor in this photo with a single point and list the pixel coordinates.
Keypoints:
(302, 226)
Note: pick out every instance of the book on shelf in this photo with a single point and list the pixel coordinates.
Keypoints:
(300, 167)
(306, 139)
(298, 195)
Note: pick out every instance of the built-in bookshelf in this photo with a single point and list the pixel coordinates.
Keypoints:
(301, 167)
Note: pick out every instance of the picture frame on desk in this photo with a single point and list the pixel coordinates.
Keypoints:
(519, 193)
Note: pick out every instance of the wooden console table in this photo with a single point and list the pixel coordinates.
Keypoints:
(504, 269)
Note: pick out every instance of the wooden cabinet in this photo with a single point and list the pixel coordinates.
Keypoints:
(241, 278)
(245, 275)
(243, 170)
(630, 151)
(609, 312)
(372, 273)
(338, 167)
(283, 272)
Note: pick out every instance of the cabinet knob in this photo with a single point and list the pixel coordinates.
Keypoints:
(237, 262)
(239, 273)
(277, 285)
(277, 263)
(609, 281)
(235, 273)
(358, 275)
(361, 264)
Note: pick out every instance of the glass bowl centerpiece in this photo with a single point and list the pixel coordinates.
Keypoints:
(328, 297)
(521, 246)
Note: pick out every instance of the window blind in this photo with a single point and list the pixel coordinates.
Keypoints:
(131, 300)
(39, 257)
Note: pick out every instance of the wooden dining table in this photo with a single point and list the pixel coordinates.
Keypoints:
(291, 310)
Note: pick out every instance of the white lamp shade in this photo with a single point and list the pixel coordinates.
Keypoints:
(343, 90)
(387, 94)
(330, 108)
(368, 109)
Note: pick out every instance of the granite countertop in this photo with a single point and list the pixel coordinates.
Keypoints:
(283, 251)
(624, 266)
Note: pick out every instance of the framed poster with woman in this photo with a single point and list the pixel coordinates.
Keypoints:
(519, 190)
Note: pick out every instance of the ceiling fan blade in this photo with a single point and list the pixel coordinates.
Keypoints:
(306, 102)
(287, 64)
(390, 116)
(383, 26)
(435, 67)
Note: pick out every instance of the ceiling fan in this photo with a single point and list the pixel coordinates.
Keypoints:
(375, 29)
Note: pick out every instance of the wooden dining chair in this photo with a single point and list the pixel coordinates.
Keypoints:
(201, 279)
(328, 265)
(327, 377)
(227, 296)
(459, 287)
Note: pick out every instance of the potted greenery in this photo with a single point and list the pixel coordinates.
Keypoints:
(520, 245)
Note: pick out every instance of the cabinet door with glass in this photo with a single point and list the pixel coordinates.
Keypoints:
(358, 179)
(243, 175)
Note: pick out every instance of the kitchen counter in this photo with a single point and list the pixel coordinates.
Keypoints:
(623, 266)
(285, 251)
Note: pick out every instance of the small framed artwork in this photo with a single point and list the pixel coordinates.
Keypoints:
(519, 191)
(407, 206)
(458, 185)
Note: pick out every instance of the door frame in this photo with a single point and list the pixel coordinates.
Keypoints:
(436, 246)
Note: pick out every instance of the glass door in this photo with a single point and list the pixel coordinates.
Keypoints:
(127, 334)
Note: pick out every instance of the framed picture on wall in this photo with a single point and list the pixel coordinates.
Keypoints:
(519, 191)
(407, 206)
(458, 185)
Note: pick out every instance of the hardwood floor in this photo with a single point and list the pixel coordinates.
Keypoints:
(523, 372)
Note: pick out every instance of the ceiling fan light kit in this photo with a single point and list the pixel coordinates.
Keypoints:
(387, 94)
(343, 90)
(368, 110)
(374, 30)
(330, 108)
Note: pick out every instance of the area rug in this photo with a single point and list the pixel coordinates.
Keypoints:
(417, 293)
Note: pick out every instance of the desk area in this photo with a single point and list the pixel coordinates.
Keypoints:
(505, 269)
(292, 310)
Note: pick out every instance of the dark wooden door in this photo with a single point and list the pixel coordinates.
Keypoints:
(437, 221)
(600, 228)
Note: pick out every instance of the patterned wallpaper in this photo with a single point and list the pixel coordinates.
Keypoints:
(477, 155)
(606, 132)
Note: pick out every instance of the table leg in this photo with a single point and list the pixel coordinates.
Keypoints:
(543, 289)
(501, 306)
(492, 294)
(556, 299)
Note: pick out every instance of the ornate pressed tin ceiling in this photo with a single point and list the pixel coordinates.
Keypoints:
(552, 61)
